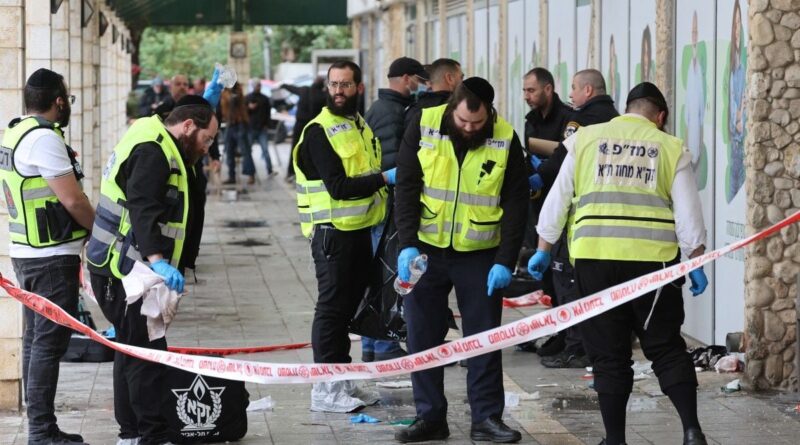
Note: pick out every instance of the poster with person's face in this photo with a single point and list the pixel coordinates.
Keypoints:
(614, 51)
(480, 42)
(515, 32)
(561, 45)
(583, 29)
(494, 48)
(532, 49)
(693, 118)
(730, 200)
(643, 41)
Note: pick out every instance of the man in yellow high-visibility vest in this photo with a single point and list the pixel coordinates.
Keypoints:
(461, 199)
(636, 207)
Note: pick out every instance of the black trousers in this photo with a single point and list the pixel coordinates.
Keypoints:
(139, 385)
(426, 314)
(607, 337)
(566, 291)
(342, 261)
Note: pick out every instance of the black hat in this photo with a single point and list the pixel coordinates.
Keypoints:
(191, 99)
(481, 88)
(647, 90)
(407, 65)
(44, 78)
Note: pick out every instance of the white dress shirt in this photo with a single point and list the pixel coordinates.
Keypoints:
(686, 208)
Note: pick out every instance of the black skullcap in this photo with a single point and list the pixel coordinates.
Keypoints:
(481, 88)
(44, 78)
(647, 90)
(407, 65)
(191, 99)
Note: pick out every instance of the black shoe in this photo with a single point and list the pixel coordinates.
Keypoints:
(693, 436)
(565, 359)
(553, 346)
(493, 429)
(73, 437)
(603, 442)
(422, 431)
(367, 356)
(379, 356)
(229, 181)
(59, 439)
(528, 346)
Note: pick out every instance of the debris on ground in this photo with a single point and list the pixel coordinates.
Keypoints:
(263, 404)
(729, 363)
(706, 357)
(363, 418)
(395, 384)
(733, 386)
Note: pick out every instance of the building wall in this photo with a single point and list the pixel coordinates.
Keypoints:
(762, 302)
(97, 72)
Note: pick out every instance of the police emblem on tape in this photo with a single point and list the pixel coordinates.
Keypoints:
(199, 405)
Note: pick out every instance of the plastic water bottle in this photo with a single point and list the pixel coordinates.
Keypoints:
(227, 75)
(417, 267)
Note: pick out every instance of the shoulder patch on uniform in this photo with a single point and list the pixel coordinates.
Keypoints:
(501, 144)
(426, 144)
(571, 128)
(338, 128)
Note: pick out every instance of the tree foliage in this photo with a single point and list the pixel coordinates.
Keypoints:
(303, 39)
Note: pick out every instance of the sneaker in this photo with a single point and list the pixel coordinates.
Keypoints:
(367, 356)
(553, 345)
(423, 431)
(129, 441)
(565, 359)
(400, 352)
(331, 397)
(369, 397)
(493, 429)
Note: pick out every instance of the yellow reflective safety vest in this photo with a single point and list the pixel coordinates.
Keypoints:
(35, 216)
(112, 245)
(624, 171)
(461, 205)
(360, 152)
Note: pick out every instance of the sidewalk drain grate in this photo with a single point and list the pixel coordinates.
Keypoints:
(575, 403)
(245, 223)
(249, 242)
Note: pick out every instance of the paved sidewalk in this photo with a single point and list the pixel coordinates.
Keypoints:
(256, 287)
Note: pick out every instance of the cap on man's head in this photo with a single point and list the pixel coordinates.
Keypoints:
(191, 99)
(158, 81)
(481, 88)
(647, 90)
(407, 65)
(44, 78)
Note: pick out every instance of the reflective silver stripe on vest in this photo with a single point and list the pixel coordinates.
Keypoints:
(432, 228)
(112, 207)
(441, 194)
(625, 232)
(102, 235)
(368, 173)
(319, 215)
(431, 132)
(175, 233)
(310, 189)
(38, 193)
(351, 211)
(173, 164)
(636, 199)
(478, 200)
(481, 236)
(17, 228)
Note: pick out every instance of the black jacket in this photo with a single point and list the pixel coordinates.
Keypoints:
(385, 118)
(513, 196)
(550, 127)
(425, 100)
(259, 117)
(149, 98)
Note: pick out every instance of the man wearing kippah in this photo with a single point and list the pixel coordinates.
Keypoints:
(461, 199)
(636, 208)
(149, 212)
(49, 218)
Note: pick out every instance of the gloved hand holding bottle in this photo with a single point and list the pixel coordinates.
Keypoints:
(699, 281)
(499, 278)
(410, 267)
(213, 89)
(172, 278)
(538, 264)
(389, 176)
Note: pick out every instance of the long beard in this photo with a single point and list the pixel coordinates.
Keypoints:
(348, 108)
(462, 141)
(188, 144)
(63, 116)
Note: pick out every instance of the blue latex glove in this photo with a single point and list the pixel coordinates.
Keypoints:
(699, 281)
(172, 278)
(390, 175)
(363, 418)
(538, 264)
(404, 262)
(213, 90)
(536, 183)
(499, 277)
(535, 162)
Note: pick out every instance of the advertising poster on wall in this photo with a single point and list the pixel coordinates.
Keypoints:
(693, 116)
(494, 47)
(515, 109)
(643, 41)
(457, 37)
(561, 44)
(480, 42)
(614, 50)
(532, 46)
(583, 30)
(730, 200)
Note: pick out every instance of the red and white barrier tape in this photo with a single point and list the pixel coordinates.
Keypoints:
(530, 328)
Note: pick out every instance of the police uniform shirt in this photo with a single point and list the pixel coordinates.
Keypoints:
(689, 226)
(551, 126)
(43, 153)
